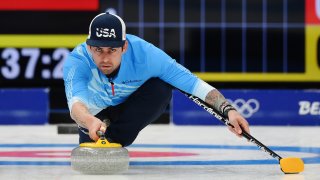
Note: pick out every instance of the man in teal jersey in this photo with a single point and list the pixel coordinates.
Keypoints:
(123, 78)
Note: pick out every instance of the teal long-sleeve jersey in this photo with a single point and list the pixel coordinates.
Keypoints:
(84, 82)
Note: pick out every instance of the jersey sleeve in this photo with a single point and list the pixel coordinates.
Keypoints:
(75, 75)
(167, 69)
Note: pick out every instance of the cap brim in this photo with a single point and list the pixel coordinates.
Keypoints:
(99, 43)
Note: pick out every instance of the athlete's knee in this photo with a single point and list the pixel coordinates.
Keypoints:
(127, 140)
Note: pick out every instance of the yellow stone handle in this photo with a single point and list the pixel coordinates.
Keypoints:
(101, 143)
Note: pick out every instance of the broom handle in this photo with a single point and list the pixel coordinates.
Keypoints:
(224, 120)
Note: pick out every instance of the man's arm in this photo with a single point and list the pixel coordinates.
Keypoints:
(175, 74)
(76, 76)
(218, 102)
(81, 115)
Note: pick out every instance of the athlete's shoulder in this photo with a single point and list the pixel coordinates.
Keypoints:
(141, 46)
(80, 51)
(135, 39)
(137, 42)
(77, 62)
(79, 55)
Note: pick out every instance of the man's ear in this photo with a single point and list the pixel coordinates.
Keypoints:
(125, 46)
(89, 50)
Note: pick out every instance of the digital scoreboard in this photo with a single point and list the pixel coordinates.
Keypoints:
(227, 40)
(218, 40)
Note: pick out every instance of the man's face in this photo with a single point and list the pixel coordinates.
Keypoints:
(107, 59)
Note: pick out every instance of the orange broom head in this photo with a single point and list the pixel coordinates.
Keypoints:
(291, 165)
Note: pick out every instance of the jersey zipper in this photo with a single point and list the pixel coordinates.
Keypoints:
(112, 86)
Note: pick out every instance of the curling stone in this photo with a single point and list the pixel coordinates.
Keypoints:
(101, 157)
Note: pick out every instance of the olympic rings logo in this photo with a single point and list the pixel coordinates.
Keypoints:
(246, 108)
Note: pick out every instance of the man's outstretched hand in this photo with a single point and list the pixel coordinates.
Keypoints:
(237, 120)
